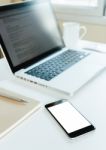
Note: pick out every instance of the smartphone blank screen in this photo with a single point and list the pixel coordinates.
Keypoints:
(68, 117)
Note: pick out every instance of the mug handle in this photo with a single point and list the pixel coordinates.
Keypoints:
(84, 29)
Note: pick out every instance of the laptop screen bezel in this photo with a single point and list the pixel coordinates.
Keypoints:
(35, 59)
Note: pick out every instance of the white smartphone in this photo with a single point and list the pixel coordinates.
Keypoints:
(73, 123)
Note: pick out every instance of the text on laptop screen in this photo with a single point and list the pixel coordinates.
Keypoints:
(29, 31)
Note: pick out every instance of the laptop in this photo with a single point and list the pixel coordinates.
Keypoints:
(34, 48)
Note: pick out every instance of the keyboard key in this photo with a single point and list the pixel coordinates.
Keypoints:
(53, 67)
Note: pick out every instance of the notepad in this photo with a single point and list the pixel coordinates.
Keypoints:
(12, 113)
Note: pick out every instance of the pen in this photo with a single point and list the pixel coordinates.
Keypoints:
(13, 96)
(15, 99)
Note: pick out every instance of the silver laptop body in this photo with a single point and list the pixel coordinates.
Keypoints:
(30, 37)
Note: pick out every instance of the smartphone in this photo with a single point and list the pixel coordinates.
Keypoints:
(69, 118)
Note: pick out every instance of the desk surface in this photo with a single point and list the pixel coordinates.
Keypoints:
(41, 131)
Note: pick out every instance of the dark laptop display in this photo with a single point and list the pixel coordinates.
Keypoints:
(29, 32)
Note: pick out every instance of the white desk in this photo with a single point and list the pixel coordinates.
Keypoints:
(41, 132)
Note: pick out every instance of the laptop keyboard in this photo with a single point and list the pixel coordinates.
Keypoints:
(53, 67)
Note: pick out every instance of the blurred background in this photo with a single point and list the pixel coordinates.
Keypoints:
(90, 13)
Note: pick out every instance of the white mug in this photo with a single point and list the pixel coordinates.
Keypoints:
(71, 34)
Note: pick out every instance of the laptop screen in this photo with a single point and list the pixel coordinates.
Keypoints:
(28, 31)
